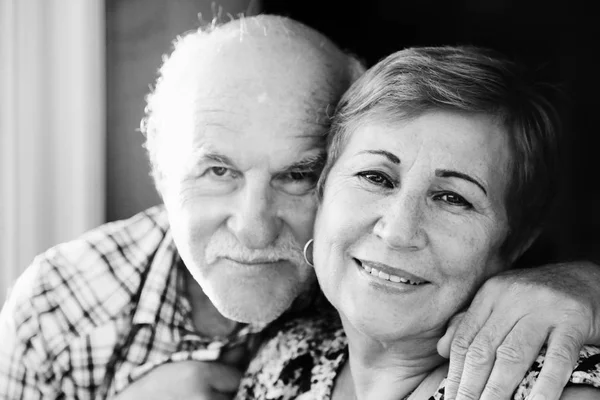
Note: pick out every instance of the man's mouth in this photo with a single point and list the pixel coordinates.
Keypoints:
(254, 261)
(386, 273)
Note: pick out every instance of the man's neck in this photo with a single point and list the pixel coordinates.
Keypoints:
(208, 321)
(388, 370)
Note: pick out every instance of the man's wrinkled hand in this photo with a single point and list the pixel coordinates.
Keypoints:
(493, 344)
(189, 380)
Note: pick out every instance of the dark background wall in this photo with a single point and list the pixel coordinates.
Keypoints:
(552, 37)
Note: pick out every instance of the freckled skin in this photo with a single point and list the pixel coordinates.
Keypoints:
(445, 230)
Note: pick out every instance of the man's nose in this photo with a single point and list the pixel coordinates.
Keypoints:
(401, 224)
(255, 221)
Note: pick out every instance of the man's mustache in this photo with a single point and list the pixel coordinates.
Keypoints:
(226, 245)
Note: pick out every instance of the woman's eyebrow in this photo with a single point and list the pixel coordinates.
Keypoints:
(448, 173)
(390, 156)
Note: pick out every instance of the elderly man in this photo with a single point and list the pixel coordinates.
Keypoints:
(169, 303)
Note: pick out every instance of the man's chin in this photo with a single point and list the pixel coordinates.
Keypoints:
(252, 310)
(251, 295)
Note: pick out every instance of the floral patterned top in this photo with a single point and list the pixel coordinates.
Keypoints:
(302, 360)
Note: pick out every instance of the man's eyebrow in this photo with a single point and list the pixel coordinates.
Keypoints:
(392, 157)
(447, 173)
(203, 156)
(314, 162)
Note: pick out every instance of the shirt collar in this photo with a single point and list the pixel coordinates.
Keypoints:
(160, 285)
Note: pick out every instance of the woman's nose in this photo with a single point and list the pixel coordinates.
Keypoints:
(400, 224)
(255, 221)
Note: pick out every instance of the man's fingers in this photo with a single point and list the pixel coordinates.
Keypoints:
(467, 329)
(513, 358)
(469, 356)
(223, 378)
(561, 356)
(443, 345)
(480, 357)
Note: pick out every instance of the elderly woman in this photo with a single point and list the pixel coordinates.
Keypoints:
(440, 172)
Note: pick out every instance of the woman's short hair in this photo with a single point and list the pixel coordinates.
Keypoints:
(468, 79)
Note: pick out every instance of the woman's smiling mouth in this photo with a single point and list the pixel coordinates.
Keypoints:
(378, 270)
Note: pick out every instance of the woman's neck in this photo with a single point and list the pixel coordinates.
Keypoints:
(392, 371)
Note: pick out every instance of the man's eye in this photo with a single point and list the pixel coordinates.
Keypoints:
(453, 199)
(219, 172)
(378, 178)
(302, 175)
(297, 183)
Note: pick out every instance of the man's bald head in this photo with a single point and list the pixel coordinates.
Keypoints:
(267, 57)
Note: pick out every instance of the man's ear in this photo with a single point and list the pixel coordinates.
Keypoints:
(518, 252)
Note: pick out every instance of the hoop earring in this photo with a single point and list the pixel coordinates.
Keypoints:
(305, 252)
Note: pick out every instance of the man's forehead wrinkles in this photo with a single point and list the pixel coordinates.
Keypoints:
(316, 112)
(316, 120)
(215, 117)
(318, 138)
(321, 101)
(214, 124)
(209, 110)
(310, 127)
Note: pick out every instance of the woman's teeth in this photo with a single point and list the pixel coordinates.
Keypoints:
(387, 277)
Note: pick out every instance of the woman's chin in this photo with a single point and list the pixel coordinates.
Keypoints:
(383, 310)
(410, 337)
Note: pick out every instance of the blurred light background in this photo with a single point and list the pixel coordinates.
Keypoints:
(52, 126)
(74, 73)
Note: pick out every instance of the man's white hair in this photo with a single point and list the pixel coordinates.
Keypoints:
(174, 80)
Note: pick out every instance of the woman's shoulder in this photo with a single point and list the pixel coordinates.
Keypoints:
(285, 364)
(586, 372)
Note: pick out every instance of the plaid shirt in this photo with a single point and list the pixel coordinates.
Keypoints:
(90, 316)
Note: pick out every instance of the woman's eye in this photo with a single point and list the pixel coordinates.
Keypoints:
(453, 199)
(378, 178)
